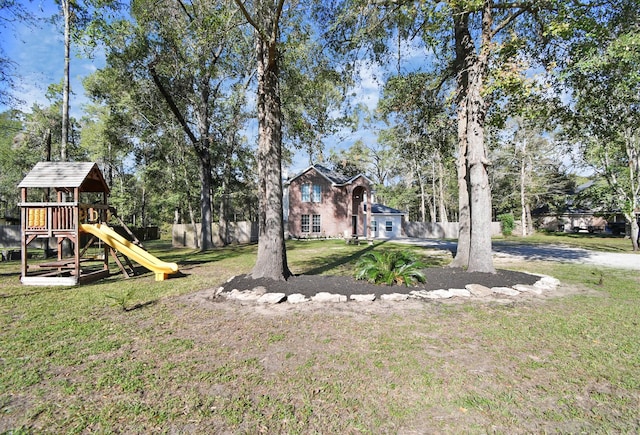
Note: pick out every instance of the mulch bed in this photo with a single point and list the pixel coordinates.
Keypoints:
(437, 278)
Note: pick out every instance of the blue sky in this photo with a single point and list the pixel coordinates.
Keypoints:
(38, 54)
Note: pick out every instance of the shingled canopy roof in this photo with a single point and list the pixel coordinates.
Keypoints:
(66, 175)
(383, 209)
(334, 177)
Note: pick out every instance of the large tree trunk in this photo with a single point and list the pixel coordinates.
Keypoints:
(271, 261)
(461, 258)
(203, 149)
(464, 44)
(472, 161)
(192, 217)
(480, 253)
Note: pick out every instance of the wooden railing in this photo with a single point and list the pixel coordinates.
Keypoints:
(47, 217)
(93, 213)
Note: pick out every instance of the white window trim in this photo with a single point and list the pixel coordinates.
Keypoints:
(302, 192)
(313, 223)
(316, 197)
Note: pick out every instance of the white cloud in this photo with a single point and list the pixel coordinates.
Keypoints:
(367, 89)
(413, 56)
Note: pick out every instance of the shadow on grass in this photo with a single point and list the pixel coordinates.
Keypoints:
(139, 306)
(321, 268)
(195, 257)
(591, 241)
(7, 274)
(35, 290)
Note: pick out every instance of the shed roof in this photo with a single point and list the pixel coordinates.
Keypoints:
(60, 175)
(385, 210)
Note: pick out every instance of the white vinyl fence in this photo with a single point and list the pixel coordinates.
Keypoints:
(440, 230)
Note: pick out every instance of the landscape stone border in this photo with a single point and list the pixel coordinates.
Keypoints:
(259, 294)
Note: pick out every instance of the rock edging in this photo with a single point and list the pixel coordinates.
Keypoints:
(259, 294)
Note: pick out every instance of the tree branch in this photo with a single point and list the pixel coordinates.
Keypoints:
(184, 8)
(172, 105)
(250, 19)
(508, 20)
(276, 21)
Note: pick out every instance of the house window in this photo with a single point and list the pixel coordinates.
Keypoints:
(311, 193)
(388, 227)
(317, 193)
(305, 223)
(374, 226)
(316, 223)
(306, 195)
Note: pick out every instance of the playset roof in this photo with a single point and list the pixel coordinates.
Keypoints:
(66, 175)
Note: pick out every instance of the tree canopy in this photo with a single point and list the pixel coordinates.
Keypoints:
(473, 95)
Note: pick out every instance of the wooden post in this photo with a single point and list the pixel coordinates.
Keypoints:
(76, 230)
(23, 235)
(105, 216)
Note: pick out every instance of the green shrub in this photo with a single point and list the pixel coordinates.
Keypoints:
(390, 267)
(123, 299)
(507, 223)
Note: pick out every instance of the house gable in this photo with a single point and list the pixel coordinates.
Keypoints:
(333, 177)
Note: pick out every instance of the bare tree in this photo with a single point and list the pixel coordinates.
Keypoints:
(271, 261)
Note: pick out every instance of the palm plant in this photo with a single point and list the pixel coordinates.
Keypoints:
(390, 267)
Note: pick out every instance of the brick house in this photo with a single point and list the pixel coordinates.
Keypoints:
(320, 202)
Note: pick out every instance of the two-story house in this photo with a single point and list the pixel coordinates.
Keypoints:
(322, 202)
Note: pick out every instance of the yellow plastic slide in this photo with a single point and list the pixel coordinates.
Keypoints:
(161, 268)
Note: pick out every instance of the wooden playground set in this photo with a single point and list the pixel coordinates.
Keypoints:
(66, 204)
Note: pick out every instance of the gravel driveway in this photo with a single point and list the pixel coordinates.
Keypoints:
(565, 254)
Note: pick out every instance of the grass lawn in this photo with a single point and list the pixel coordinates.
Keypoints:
(596, 242)
(139, 356)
